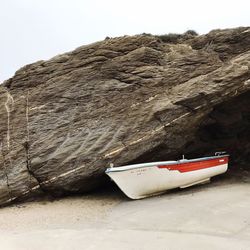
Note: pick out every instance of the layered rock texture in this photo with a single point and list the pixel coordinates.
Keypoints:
(123, 100)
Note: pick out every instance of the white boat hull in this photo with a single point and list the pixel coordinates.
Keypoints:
(143, 180)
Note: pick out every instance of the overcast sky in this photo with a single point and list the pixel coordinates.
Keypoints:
(34, 30)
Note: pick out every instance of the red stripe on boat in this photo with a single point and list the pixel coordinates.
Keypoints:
(192, 166)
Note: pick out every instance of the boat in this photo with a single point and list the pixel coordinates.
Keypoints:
(142, 180)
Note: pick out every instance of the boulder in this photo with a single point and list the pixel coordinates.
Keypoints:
(122, 100)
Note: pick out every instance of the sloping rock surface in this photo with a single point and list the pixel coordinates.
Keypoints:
(122, 100)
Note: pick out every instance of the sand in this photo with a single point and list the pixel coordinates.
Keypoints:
(211, 216)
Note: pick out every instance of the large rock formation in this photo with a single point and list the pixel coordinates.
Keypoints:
(122, 100)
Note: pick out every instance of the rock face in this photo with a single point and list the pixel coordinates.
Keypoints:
(122, 100)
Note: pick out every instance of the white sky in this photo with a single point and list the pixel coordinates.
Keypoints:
(34, 30)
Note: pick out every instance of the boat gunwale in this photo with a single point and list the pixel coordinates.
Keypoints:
(157, 163)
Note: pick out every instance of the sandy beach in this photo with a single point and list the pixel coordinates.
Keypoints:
(211, 216)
